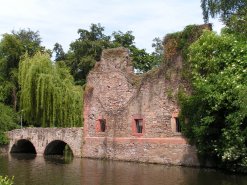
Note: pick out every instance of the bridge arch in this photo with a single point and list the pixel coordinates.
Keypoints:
(47, 140)
(23, 146)
(56, 147)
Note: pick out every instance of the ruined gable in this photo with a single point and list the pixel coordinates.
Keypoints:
(120, 97)
(132, 117)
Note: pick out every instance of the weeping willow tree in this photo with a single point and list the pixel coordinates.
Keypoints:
(48, 95)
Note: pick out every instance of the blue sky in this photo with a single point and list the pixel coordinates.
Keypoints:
(59, 20)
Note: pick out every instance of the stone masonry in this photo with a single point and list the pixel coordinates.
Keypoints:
(133, 117)
(40, 138)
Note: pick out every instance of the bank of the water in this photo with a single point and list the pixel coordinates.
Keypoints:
(4, 149)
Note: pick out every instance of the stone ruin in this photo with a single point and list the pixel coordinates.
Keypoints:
(134, 117)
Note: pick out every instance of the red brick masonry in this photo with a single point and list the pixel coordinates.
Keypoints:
(138, 111)
(125, 140)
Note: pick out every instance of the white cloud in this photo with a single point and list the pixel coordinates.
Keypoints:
(59, 20)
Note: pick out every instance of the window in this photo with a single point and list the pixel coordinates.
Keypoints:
(102, 123)
(139, 125)
(178, 126)
(175, 123)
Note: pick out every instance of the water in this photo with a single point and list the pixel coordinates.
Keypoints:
(55, 170)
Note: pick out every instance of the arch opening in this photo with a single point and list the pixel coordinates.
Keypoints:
(23, 146)
(58, 147)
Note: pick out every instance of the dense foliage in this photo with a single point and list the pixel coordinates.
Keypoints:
(215, 114)
(7, 121)
(12, 47)
(85, 51)
(224, 8)
(177, 44)
(48, 95)
(6, 180)
(233, 13)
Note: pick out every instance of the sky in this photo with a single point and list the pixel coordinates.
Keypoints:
(59, 20)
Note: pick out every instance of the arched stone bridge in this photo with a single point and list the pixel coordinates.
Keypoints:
(45, 141)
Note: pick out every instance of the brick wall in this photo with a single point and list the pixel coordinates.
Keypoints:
(137, 112)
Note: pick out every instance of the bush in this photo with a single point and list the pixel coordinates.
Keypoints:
(8, 121)
(6, 180)
(216, 110)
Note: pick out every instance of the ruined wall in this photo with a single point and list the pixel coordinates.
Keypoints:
(116, 101)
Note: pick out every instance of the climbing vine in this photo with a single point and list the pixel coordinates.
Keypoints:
(48, 96)
(178, 43)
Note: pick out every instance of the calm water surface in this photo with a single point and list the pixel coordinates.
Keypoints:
(31, 170)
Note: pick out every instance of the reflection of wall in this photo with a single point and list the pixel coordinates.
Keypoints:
(119, 97)
(40, 171)
(122, 173)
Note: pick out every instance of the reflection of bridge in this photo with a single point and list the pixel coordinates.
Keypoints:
(46, 141)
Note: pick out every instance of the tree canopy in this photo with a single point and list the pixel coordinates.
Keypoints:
(224, 8)
(48, 95)
(214, 115)
(12, 47)
(215, 112)
(85, 51)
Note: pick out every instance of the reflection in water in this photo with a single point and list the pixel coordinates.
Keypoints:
(23, 156)
(58, 159)
(56, 171)
(66, 158)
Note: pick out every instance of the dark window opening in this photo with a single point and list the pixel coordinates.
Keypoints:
(139, 125)
(102, 125)
(178, 126)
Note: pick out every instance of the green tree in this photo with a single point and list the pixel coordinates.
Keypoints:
(12, 47)
(8, 119)
(85, 51)
(142, 60)
(10, 52)
(121, 39)
(237, 25)
(158, 53)
(48, 95)
(215, 114)
(30, 41)
(59, 53)
(224, 8)
(233, 14)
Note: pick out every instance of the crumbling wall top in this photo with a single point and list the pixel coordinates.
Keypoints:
(114, 59)
(115, 53)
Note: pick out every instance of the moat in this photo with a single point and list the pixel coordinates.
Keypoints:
(37, 170)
